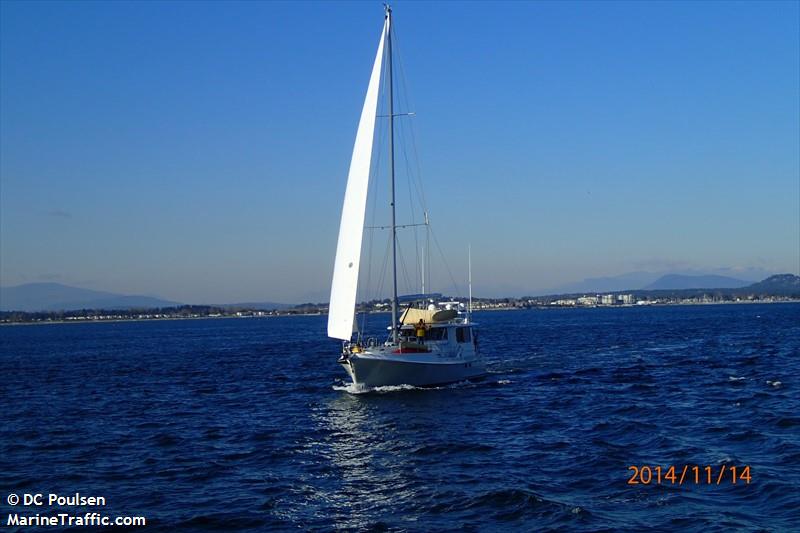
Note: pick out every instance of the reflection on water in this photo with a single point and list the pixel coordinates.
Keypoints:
(357, 452)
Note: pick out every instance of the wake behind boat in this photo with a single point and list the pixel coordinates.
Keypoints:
(428, 344)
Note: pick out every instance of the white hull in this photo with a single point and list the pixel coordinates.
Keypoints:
(378, 369)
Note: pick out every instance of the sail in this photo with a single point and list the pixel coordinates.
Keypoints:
(342, 306)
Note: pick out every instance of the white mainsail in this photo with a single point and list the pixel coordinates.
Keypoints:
(342, 305)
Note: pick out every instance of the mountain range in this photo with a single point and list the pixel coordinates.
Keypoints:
(58, 297)
(678, 281)
(641, 280)
(780, 284)
(777, 285)
(32, 297)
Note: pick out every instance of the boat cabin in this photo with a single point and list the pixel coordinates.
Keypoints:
(459, 333)
(437, 337)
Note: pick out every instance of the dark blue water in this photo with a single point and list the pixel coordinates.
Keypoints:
(238, 424)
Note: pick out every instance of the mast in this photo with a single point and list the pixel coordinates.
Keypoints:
(391, 168)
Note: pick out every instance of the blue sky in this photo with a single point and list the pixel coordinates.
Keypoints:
(199, 151)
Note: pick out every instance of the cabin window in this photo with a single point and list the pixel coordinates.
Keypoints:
(436, 334)
(463, 335)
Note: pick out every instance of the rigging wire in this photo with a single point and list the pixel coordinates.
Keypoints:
(374, 185)
(412, 180)
(407, 101)
(411, 205)
(405, 93)
(405, 270)
(384, 268)
(444, 261)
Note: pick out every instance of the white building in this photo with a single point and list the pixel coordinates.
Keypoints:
(607, 299)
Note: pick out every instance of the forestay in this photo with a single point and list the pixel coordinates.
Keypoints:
(351, 228)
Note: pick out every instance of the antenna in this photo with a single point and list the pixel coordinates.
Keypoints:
(422, 264)
(426, 255)
(469, 266)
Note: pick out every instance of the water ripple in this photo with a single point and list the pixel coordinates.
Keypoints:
(220, 425)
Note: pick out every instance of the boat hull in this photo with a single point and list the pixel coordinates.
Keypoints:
(369, 371)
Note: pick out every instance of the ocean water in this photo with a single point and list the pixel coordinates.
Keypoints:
(246, 424)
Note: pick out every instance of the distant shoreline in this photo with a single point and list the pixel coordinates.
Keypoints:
(160, 319)
(492, 309)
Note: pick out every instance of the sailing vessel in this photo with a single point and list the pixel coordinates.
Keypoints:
(427, 345)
